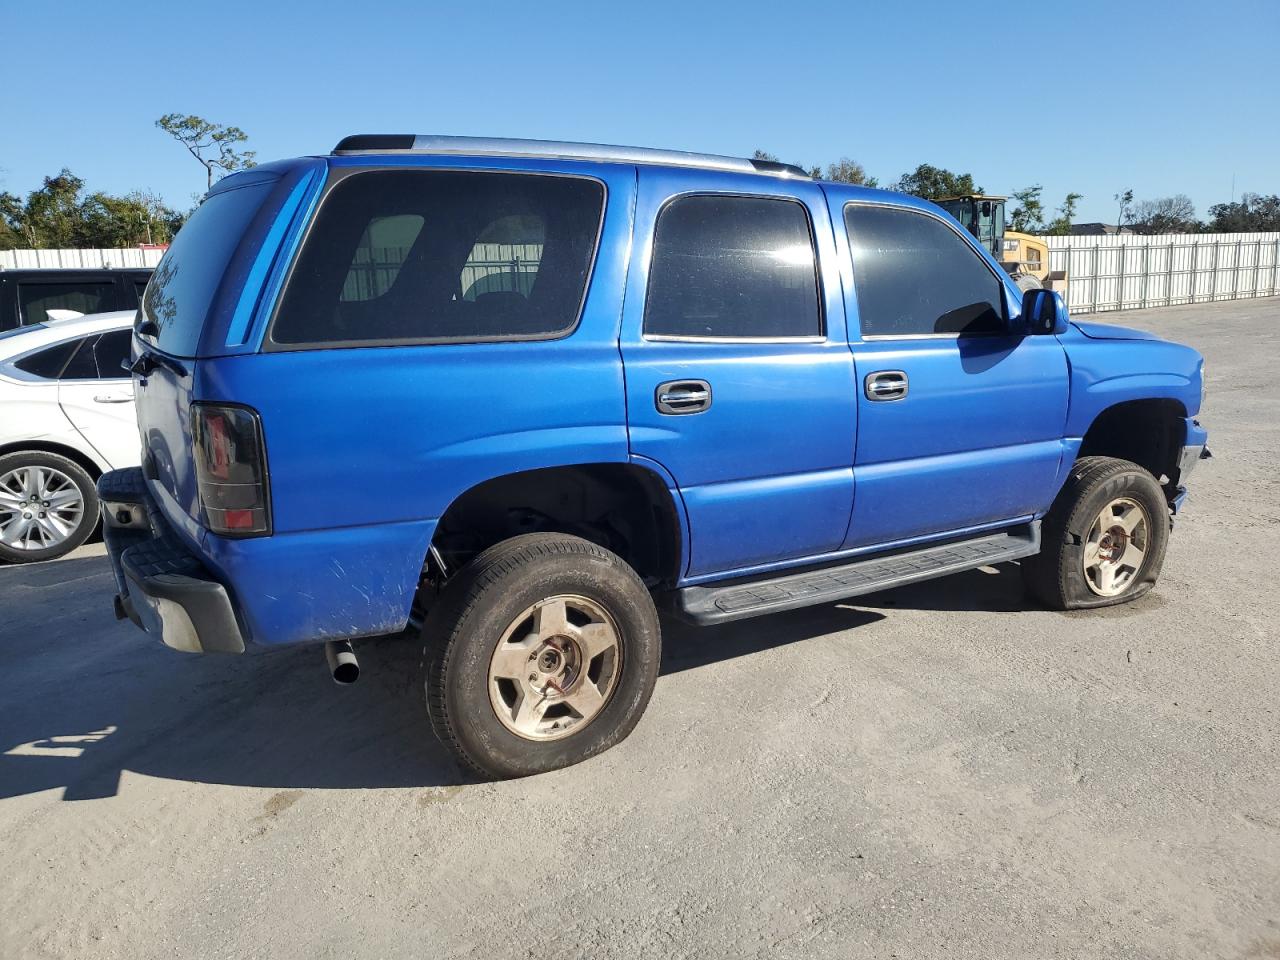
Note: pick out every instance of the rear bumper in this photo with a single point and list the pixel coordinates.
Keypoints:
(163, 588)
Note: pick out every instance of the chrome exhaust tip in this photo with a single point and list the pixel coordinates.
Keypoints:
(343, 665)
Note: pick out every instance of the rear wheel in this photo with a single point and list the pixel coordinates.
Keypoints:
(48, 506)
(541, 652)
(1104, 539)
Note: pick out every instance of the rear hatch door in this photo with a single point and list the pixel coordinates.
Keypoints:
(200, 305)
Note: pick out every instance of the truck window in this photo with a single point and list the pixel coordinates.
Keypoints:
(420, 256)
(915, 275)
(36, 299)
(733, 267)
(185, 281)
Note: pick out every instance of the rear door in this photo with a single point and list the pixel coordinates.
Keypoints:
(96, 394)
(960, 420)
(738, 374)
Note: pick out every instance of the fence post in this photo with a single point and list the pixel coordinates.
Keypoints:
(1213, 275)
(1094, 282)
(1168, 280)
(1235, 272)
(1257, 266)
(1195, 255)
(1275, 267)
(1120, 282)
(1146, 264)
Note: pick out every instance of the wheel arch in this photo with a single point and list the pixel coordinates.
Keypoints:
(1149, 432)
(629, 508)
(91, 466)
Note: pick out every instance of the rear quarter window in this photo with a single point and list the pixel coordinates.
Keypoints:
(186, 280)
(423, 256)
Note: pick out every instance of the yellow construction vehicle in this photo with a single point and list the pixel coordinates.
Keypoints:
(1025, 257)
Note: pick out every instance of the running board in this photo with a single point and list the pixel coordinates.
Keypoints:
(736, 601)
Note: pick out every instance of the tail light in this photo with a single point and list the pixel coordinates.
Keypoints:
(231, 469)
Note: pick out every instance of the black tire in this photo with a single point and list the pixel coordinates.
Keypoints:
(1027, 281)
(84, 483)
(1056, 576)
(476, 607)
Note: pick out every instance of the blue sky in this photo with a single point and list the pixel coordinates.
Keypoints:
(1088, 96)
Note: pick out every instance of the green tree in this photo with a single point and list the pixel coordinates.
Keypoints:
(59, 215)
(842, 171)
(213, 146)
(1125, 199)
(845, 170)
(1061, 225)
(1028, 215)
(10, 220)
(935, 183)
(51, 216)
(1252, 213)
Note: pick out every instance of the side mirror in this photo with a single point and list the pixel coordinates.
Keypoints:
(1043, 312)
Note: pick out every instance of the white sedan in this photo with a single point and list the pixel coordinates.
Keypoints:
(66, 416)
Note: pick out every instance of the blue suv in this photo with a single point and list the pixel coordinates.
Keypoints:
(519, 395)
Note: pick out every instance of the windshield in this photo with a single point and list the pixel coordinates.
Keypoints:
(186, 280)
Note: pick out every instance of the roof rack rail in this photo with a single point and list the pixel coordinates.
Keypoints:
(559, 149)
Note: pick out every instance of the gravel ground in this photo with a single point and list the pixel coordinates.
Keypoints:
(937, 771)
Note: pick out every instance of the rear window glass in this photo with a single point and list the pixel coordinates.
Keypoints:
(184, 284)
(35, 300)
(431, 255)
(49, 362)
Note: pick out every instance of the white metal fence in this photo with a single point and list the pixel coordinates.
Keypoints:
(1129, 272)
(78, 259)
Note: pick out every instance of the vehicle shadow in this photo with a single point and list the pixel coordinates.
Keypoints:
(91, 700)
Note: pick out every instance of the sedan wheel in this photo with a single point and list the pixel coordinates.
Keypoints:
(48, 506)
(39, 508)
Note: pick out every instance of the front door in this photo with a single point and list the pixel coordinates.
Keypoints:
(738, 374)
(960, 420)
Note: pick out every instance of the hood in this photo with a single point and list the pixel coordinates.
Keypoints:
(1107, 331)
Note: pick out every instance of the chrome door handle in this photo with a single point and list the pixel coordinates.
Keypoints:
(885, 385)
(113, 398)
(678, 397)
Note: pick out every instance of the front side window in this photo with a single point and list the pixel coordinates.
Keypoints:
(915, 275)
(733, 267)
(35, 300)
(442, 255)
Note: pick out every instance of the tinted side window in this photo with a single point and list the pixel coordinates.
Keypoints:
(913, 275)
(81, 366)
(423, 255)
(110, 352)
(35, 300)
(732, 267)
(49, 362)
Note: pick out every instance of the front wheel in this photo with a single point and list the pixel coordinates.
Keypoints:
(541, 652)
(1104, 538)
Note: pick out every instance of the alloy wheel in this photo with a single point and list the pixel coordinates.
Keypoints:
(555, 667)
(40, 507)
(1116, 547)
